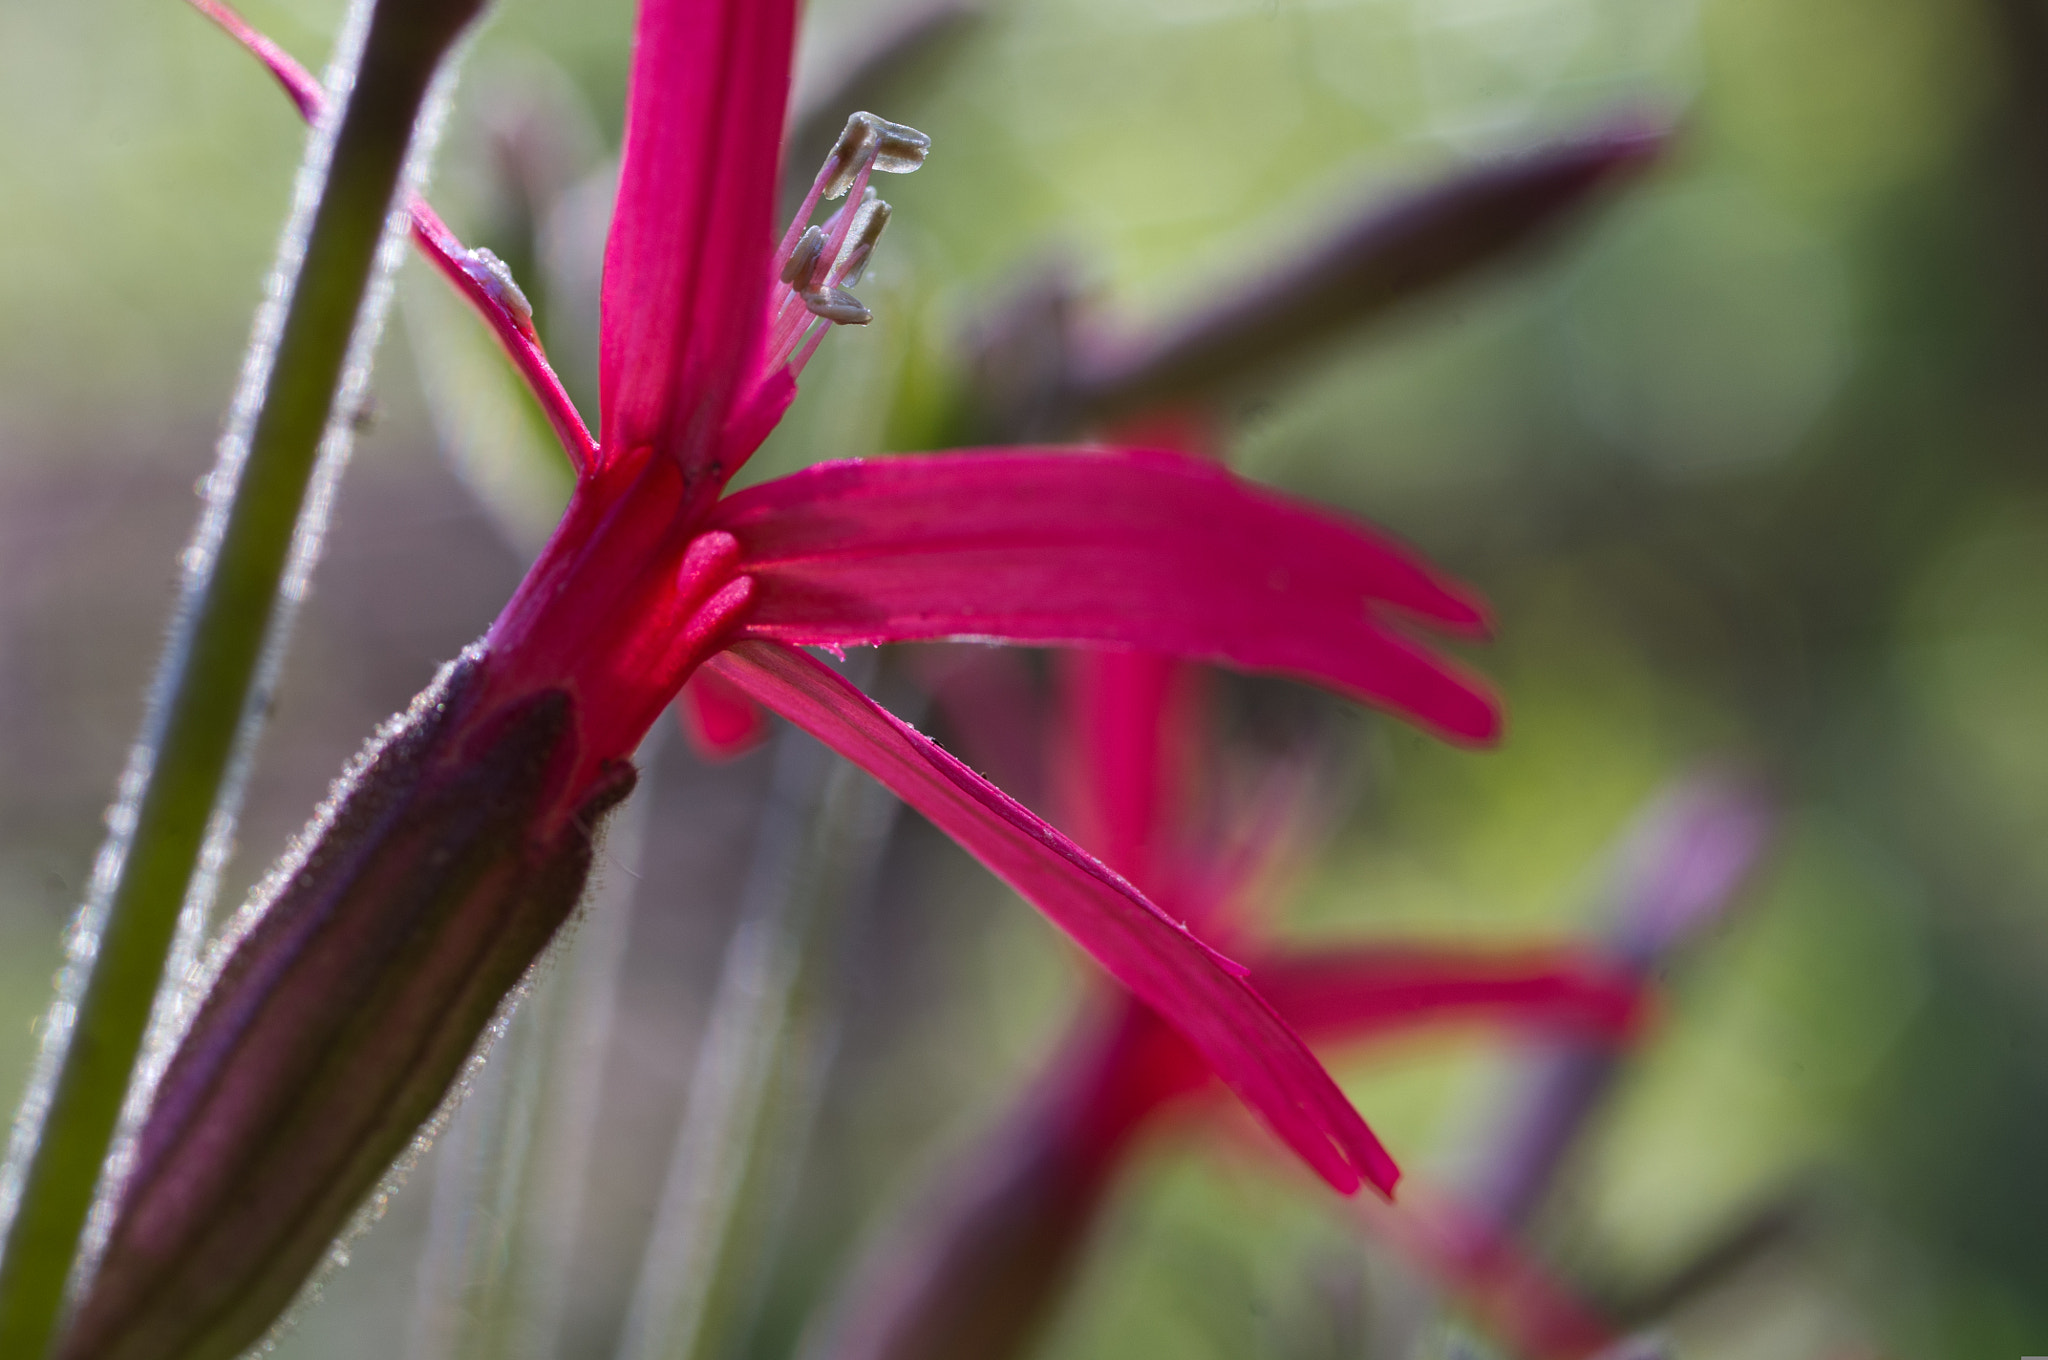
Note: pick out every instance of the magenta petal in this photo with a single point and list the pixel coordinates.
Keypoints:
(1362, 990)
(298, 82)
(1237, 1033)
(437, 243)
(1154, 551)
(515, 333)
(686, 267)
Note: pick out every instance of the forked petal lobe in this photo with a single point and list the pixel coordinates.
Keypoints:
(1128, 548)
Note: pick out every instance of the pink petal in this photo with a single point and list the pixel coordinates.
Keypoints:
(438, 244)
(1148, 550)
(1351, 993)
(1154, 957)
(515, 334)
(686, 267)
(718, 718)
(298, 82)
(1333, 995)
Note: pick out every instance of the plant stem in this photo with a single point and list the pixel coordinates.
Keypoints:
(1679, 869)
(254, 546)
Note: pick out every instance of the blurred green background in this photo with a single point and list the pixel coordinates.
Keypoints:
(1749, 464)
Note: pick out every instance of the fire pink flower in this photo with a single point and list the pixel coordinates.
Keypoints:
(360, 978)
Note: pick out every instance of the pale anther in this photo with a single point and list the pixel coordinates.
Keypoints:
(838, 306)
(899, 149)
(890, 147)
(805, 257)
(860, 240)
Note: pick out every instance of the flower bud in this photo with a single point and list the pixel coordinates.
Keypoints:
(377, 954)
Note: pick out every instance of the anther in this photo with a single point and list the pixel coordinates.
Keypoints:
(866, 139)
(899, 149)
(838, 306)
(495, 277)
(804, 258)
(860, 240)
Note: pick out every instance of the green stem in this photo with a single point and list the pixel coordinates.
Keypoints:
(202, 715)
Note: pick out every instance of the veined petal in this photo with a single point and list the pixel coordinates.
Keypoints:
(1148, 550)
(1351, 993)
(1236, 1032)
(1347, 994)
(514, 331)
(687, 261)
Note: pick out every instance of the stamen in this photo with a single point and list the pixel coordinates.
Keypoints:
(860, 241)
(870, 141)
(899, 149)
(838, 306)
(814, 264)
(813, 338)
(809, 247)
(495, 277)
(839, 227)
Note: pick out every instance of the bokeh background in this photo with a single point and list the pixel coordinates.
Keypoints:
(1749, 463)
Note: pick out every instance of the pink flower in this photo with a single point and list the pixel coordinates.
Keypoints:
(359, 979)
(655, 572)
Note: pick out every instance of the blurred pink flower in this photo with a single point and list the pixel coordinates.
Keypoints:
(976, 1268)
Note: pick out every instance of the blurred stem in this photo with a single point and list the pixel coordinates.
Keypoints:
(753, 1095)
(865, 72)
(1678, 870)
(1770, 1227)
(178, 797)
(1038, 373)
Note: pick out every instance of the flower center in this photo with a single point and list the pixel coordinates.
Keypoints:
(817, 264)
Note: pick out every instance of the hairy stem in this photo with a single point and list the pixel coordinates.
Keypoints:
(268, 501)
